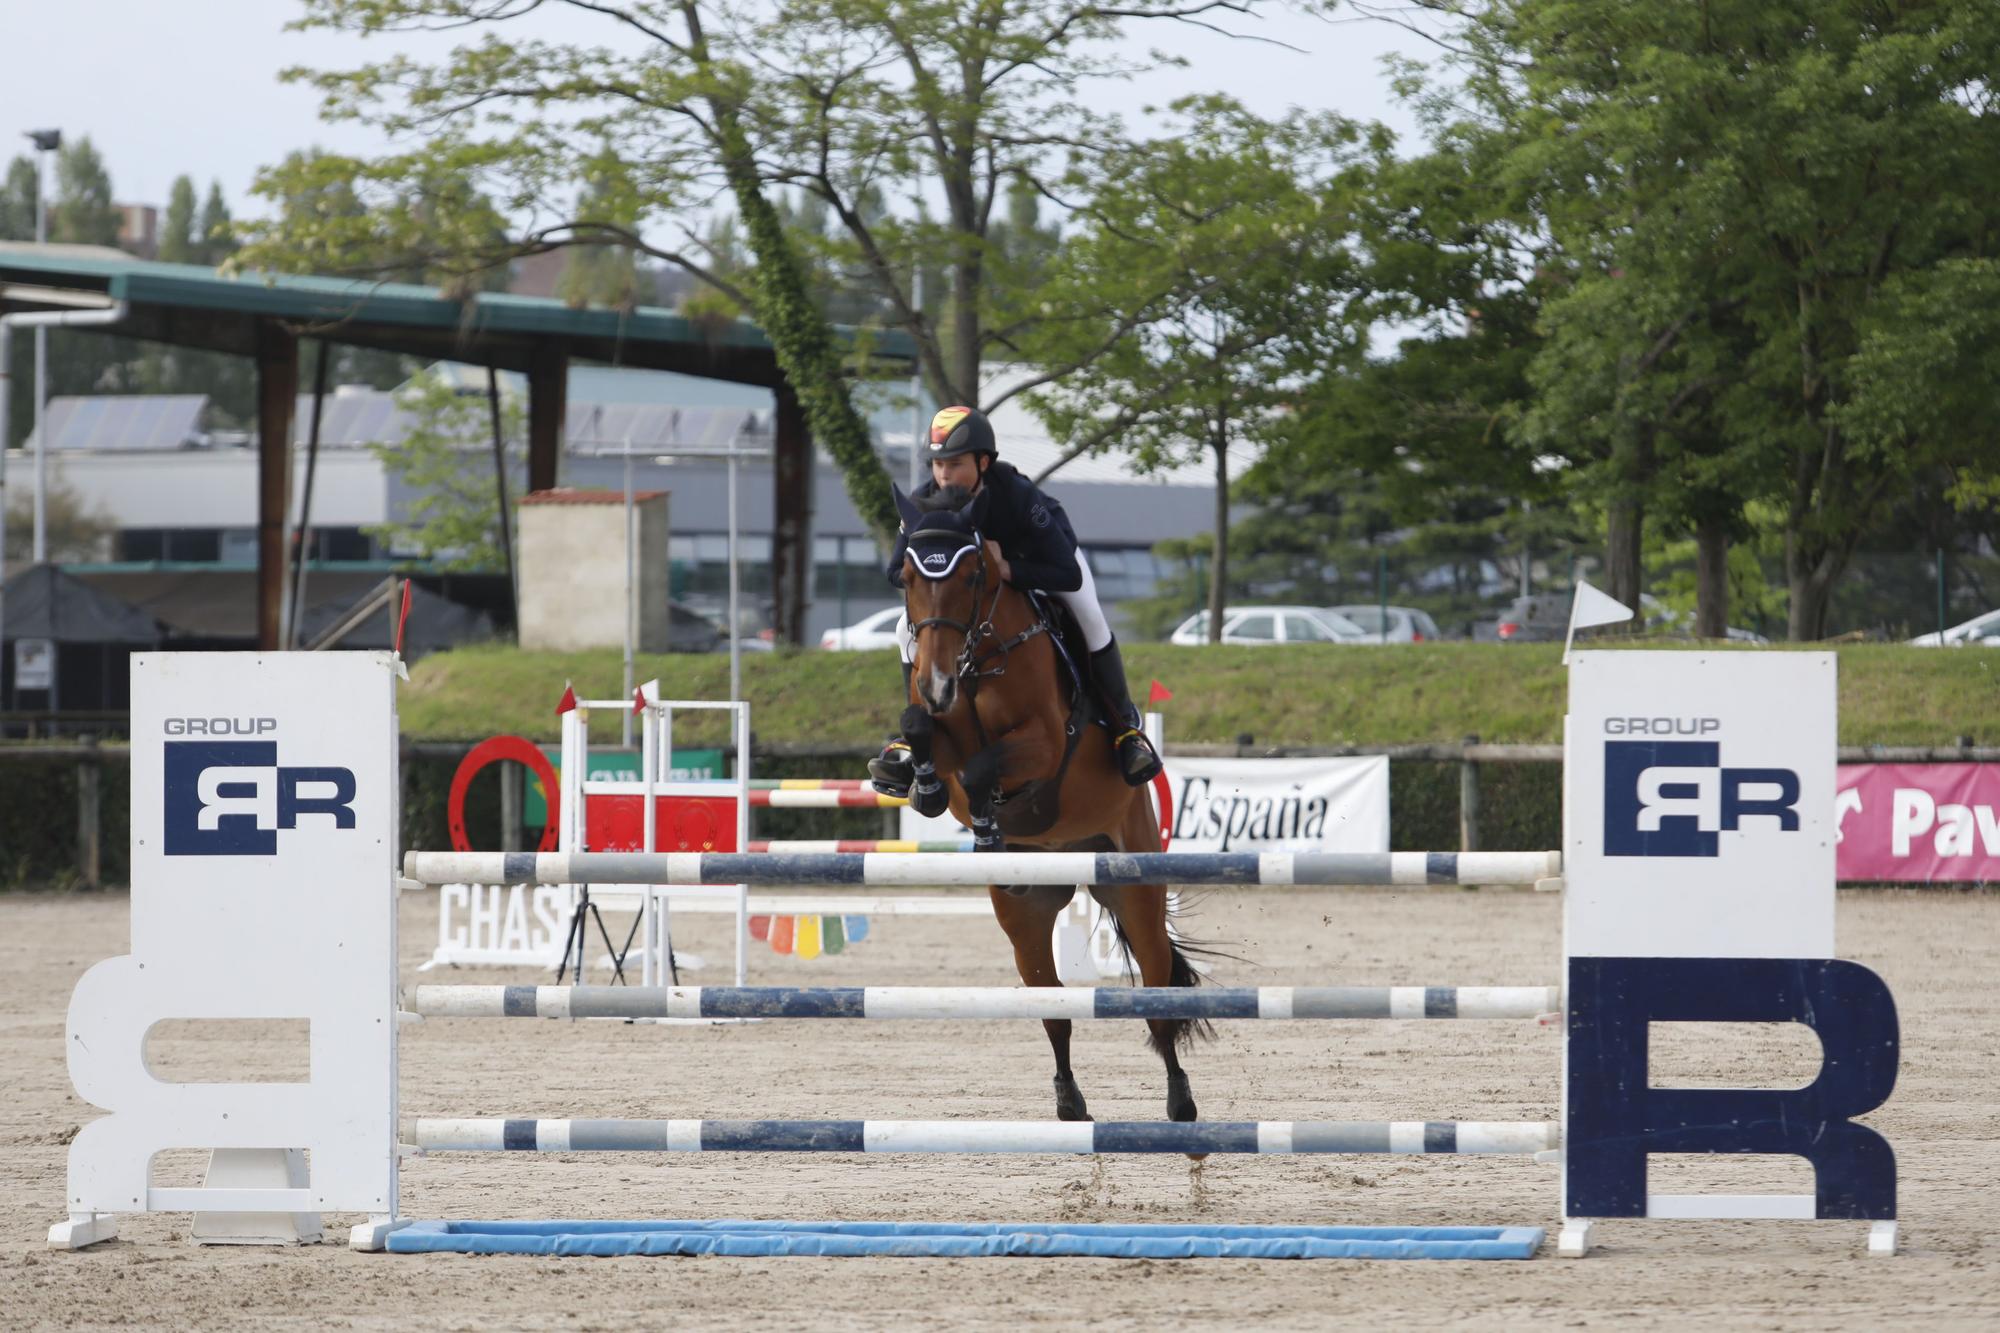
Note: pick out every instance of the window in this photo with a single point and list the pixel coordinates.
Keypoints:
(1367, 619)
(1260, 627)
(1304, 629)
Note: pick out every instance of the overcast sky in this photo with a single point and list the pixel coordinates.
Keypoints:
(166, 87)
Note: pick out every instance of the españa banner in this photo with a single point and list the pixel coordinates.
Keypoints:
(1258, 805)
(1280, 805)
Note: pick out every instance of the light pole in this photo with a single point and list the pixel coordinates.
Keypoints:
(46, 142)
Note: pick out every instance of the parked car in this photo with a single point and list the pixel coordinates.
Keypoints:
(875, 630)
(1540, 618)
(1544, 618)
(754, 631)
(1271, 624)
(1406, 623)
(1980, 631)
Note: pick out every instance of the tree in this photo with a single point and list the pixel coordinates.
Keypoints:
(1730, 193)
(82, 211)
(215, 239)
(1224, 247)
(445, 460)
(177, 230)
(17, 200)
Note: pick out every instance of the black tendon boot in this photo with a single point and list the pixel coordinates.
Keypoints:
(892, 770)
(1136, 759)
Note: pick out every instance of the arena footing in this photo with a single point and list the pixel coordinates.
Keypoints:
(951, 1240)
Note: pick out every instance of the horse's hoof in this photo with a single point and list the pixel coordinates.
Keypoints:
(1180, 1100)
(1069, 1101)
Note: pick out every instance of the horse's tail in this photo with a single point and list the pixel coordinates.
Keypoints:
(1178, 1034)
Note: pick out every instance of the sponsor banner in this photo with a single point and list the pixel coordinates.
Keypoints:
(1699, 791)
(618, 766)
(1280, 805)
(1920, 823)
(1258, 805)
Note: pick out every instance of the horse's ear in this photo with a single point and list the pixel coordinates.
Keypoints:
(975, 512)
(906, 509)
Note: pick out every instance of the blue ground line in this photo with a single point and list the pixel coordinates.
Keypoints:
(756, 1239)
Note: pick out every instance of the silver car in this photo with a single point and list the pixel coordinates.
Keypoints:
(1271, 624)
(1405, 624)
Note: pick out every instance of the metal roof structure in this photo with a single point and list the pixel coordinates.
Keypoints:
(193, 306)
(264, 316)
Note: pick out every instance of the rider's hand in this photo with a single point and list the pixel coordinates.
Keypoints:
(1006, 571)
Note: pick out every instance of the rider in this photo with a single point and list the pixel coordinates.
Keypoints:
(1033, 547)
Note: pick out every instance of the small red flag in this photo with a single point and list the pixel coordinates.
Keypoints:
(568, 700)
(1159, 694)
(638, 702)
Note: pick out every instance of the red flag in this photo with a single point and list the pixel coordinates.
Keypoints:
(1159, 694)
(568, 700)
(638, 702)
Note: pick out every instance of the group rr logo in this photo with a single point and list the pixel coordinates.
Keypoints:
(1675, 797)
(232, 797)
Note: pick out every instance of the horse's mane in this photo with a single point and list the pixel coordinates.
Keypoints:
(948, 499)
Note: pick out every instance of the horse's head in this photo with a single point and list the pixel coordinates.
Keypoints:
(946, 584)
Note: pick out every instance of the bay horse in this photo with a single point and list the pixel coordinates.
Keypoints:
(998, 736)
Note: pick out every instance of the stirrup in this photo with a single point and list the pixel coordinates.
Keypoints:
(892, 771)
(1150, 770)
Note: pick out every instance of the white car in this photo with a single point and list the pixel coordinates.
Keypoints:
(1980, 631)
(1406, 623)
(1271, 624)
(874, 631)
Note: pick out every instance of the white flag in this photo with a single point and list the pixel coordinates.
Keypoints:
(1592, 607)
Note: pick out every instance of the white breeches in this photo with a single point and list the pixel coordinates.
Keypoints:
(1082, 604)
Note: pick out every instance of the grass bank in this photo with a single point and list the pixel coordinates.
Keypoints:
(1890, 694)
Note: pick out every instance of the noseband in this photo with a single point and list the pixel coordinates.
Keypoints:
(970, 658)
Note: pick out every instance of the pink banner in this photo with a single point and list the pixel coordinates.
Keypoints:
(1922, 823)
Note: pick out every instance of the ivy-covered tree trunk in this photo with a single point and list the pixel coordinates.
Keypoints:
(803, 344)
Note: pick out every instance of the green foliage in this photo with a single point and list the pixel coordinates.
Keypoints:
(446, 461)
(17, 200)
(1221, 248)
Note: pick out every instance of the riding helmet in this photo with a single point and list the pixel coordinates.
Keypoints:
(961, 430)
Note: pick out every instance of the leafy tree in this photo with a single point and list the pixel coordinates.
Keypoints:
(214, 239)
(1731, 192)
(445, 460)
(1224, 247)
(177, 229)
(17, 200)
(82, 211)
(75, 532)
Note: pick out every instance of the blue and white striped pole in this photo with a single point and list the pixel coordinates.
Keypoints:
(883, 869)
(988, 1136)
(987, 1002)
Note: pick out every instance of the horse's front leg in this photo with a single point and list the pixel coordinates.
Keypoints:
(927, 793)
(980, 779)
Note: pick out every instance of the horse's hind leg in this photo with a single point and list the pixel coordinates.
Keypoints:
(1141, 910)
(1028, 914)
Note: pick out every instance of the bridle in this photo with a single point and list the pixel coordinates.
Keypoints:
(971, 659)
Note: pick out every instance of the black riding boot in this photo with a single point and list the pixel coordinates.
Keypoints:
(1136, 759)
(892, 770)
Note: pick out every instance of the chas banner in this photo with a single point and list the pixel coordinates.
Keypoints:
(1918, 822)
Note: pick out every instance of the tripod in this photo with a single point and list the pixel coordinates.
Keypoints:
(577, 938)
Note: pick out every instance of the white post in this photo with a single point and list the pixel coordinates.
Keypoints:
(653, 969)
(735, 648)
(631, 595)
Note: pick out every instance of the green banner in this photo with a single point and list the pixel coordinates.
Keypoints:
(617, 765)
